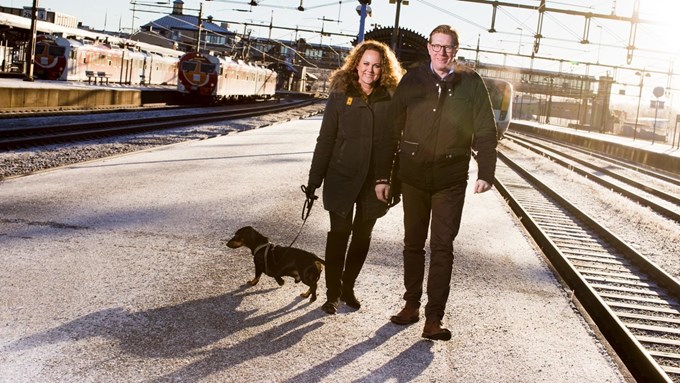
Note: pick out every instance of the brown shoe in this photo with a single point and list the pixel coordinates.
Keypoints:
(434, 330)
(407, 315)
(331, 306)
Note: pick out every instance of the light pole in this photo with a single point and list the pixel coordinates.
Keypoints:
(642, 75)
(658, 92)
(395, 34)
(363, 10)
(519, 47)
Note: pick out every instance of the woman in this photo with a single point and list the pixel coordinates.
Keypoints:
(354, 123)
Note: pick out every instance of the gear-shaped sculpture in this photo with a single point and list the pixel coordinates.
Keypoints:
(411, 47)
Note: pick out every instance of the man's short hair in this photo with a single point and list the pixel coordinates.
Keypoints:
(447, 30)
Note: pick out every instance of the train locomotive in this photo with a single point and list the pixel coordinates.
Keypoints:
(222, 78)
(51, 57)
(501, 95)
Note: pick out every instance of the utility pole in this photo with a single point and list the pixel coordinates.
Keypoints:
(30, 54)
(199, 26)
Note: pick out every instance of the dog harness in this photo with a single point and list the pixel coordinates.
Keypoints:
(267, 246)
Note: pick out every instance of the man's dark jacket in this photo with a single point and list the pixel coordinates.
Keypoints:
(344, 158)
(436, 124)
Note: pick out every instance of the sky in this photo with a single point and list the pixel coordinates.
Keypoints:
(515, 28)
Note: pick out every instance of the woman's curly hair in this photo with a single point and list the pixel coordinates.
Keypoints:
(347, 77)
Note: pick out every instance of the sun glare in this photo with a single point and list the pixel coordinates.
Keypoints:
(665, 13)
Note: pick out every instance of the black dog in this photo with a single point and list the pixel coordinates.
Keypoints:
(278, 261)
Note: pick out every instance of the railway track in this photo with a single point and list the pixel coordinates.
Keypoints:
(22, 137)
(643, 192)
(612, 160)
(634, 303)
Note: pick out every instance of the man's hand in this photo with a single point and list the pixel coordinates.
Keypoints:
(382, 192)
(482, 186)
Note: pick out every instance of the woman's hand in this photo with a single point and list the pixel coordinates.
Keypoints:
(382, 192)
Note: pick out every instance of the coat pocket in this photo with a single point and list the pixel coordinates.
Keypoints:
(411, 166)
(409, 148)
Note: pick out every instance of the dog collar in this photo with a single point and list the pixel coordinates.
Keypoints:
(260, 247)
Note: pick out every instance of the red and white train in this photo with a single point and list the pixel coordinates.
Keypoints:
(57, 58)
(221, 78)
(70, 54)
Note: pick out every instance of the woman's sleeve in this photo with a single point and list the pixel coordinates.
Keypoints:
(325, 141)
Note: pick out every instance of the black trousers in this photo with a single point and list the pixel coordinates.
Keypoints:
(344, 264)
(441, 211)
(352, 223)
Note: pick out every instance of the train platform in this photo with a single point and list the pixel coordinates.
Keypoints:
(117, 270)
(19, 95)
(661, 156)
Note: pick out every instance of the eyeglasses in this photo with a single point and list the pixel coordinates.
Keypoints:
(437, 48)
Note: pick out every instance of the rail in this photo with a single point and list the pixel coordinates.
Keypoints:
(13, 138)
(634, 303)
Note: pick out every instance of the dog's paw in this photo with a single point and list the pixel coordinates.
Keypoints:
(280, 281)
(306, 294)
(253, 282)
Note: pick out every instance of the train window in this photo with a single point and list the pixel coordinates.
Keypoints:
(496, 94)
(189, 66)
(57, 50)
(207, 68)
(40, 49)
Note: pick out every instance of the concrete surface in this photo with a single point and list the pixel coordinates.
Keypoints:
(117, 270)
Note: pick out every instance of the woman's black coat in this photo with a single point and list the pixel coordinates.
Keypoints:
(344, 159)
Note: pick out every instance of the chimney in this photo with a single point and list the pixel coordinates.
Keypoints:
(178, 7)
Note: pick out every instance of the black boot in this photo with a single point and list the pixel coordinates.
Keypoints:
(336, 246)
(356, 256)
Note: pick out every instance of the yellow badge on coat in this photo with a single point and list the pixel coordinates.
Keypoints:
(349, 100)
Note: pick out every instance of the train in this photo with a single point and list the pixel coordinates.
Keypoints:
(222, 78)
(58, 58)
(501, 94)
(71, 54)
(195, 73)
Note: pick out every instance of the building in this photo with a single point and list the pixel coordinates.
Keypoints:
(182, 32)
(57, 18)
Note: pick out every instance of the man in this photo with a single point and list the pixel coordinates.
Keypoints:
(442, 114)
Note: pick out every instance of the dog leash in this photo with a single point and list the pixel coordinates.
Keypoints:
(309, 202)
(306, 209)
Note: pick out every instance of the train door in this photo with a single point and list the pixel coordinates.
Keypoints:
(125, 67)
(148, 70)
